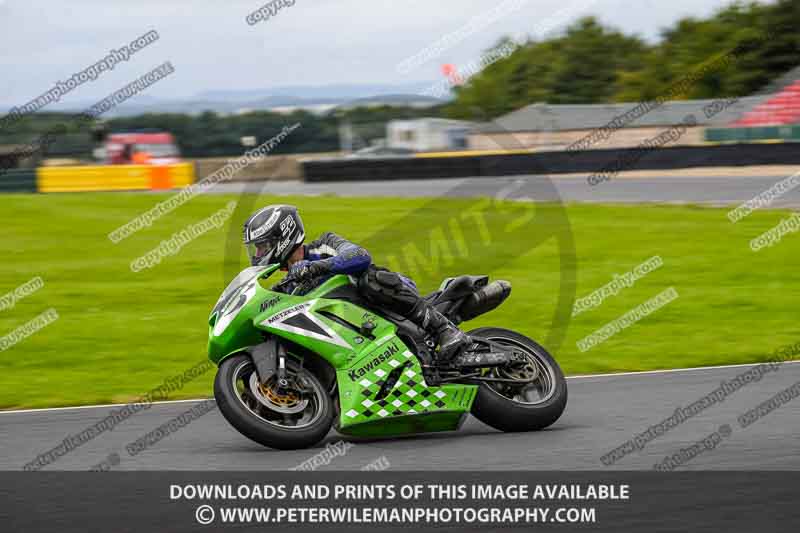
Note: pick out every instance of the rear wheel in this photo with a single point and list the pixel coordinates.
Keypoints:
(525, 407)
(296, 415)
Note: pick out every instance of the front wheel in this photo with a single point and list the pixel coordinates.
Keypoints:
(294, 416)
(511, 407)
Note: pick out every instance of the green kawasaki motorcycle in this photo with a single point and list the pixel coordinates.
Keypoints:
(291, 366)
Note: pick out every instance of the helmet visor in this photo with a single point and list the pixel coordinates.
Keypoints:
(261, 252)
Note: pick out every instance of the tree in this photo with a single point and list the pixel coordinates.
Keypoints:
(590, 63)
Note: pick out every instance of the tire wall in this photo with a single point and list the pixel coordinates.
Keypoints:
(561, 162)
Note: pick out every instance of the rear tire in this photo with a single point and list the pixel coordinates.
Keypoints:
(500, 412)
(257, 428)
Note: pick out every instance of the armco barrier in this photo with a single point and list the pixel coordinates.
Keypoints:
(18, 180)
(114, 177)
(586, 161)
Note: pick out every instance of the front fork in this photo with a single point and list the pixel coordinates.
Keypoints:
(269, 358)
(283, 383)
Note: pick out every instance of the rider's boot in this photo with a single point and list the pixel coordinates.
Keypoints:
(450, 339)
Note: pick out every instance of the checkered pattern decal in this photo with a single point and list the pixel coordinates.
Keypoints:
(409, 396)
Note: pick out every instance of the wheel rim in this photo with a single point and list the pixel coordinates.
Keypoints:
(539, 391)
(292, 409)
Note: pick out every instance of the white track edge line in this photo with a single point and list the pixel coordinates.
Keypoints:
(101, 406)
(586, 376)
(673, 370)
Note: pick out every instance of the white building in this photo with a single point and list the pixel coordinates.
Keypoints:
(428, 134)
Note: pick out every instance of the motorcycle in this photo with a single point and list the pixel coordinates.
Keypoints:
(291, 366)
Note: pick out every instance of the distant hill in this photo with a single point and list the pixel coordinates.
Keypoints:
(335, 91)
(318, 99)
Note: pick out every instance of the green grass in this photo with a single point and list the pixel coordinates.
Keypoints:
(121, 333)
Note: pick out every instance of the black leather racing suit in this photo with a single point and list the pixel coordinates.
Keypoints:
(332, 254)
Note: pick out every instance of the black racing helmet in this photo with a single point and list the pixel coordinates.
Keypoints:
(272, 234)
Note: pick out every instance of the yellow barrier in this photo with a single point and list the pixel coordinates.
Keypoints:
(468, 153)
(114, 177)
(182, 174)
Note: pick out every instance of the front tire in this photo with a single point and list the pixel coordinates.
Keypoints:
(538, 405)
(285, 422)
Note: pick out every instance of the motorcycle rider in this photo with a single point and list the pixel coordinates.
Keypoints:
(275, 234)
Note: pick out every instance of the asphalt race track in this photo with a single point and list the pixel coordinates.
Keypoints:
(602, 413)
(709, 190)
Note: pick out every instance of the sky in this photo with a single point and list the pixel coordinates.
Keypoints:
(305, 42)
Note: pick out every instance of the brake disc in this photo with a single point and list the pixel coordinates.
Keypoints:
(287, 403)
(527, 371)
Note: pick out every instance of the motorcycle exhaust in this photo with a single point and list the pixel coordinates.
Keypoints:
(484, 300)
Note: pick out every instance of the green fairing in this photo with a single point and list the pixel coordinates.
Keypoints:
(247, 311)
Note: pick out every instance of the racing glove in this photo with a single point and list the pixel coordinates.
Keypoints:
(307, 270)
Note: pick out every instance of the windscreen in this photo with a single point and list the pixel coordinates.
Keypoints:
(238, 282)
